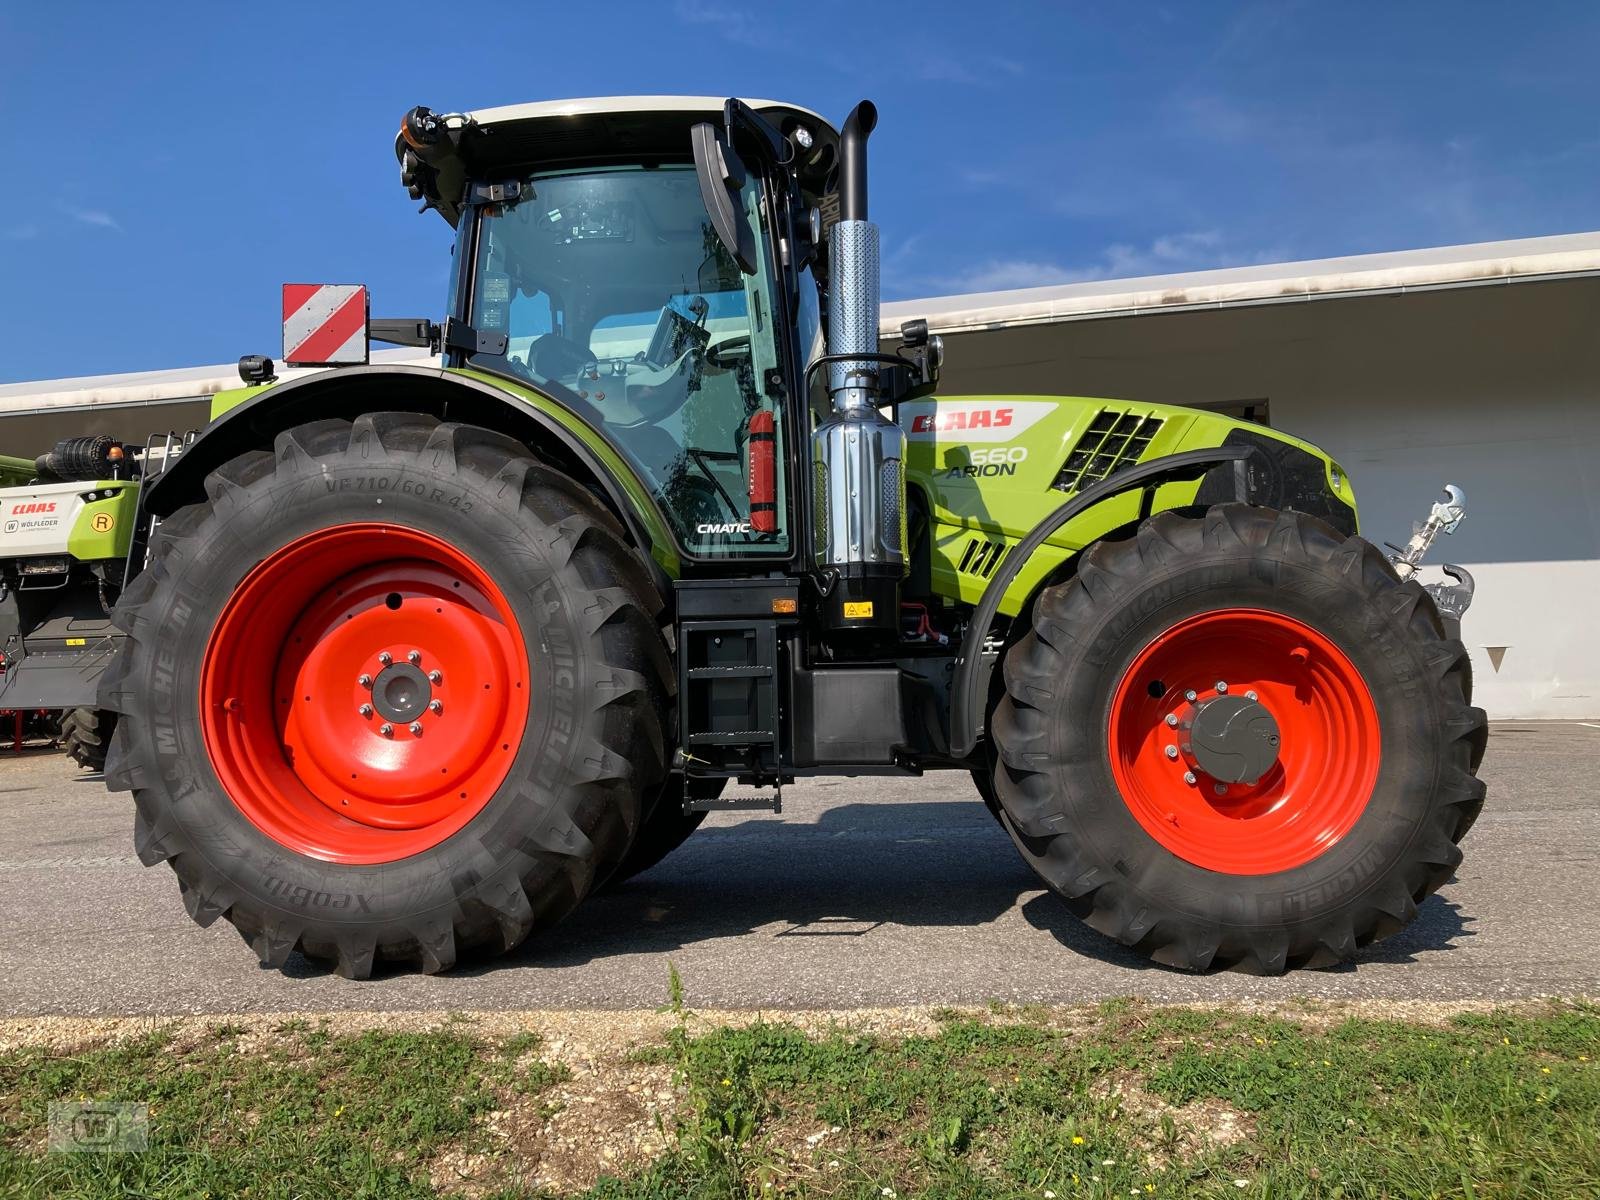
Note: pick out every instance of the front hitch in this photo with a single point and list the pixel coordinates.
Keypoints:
(1451, 599)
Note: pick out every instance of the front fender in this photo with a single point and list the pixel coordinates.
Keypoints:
(553, 433)
(966, 706)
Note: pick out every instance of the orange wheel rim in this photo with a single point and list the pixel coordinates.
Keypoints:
(1194, 718)
(364, 692)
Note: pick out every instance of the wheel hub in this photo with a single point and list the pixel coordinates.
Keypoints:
(1244, 741)
(1233, 739)
(401, 693)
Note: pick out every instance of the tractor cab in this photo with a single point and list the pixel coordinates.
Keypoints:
(590, 266)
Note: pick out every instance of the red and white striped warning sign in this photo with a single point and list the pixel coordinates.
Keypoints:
(324, 324)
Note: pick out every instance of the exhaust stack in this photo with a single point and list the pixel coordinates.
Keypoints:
(857, 453)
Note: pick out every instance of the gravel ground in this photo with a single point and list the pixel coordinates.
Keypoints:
(864, 893)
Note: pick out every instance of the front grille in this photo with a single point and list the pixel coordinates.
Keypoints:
(981, 557)
(1114, 440)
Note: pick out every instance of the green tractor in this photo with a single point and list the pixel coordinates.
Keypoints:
(416, 659)
(67, 521)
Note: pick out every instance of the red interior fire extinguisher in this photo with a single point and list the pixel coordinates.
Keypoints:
(762, 450)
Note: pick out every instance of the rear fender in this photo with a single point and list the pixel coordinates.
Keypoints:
(552, 433)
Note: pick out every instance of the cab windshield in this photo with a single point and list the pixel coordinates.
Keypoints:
(612, 286)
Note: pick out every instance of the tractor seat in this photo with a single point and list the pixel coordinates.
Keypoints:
(554, 357)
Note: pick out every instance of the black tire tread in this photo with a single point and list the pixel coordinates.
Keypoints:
(1108, 574)
(600, 806)
(85, 736)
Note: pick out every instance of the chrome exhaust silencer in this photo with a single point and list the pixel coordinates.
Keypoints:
(859, 488)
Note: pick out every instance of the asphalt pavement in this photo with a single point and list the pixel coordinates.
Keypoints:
(864, 892)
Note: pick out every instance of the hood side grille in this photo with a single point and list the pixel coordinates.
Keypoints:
(1114, 440)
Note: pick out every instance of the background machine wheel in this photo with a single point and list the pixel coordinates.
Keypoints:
(1238, 740)
(85, 736)
(406, 697)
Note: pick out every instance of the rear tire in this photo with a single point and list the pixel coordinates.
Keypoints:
(85, 736)
(1142, 858)
(252, 831)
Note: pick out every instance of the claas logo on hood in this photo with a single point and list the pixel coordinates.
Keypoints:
(959, 419)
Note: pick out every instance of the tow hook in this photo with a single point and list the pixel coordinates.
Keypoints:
(1452, 599)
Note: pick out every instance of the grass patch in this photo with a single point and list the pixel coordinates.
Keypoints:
(1153, 1102)
(1007, 1102)
(306, 1114)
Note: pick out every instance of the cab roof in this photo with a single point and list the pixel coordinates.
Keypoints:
(547, 134)
(552, 112)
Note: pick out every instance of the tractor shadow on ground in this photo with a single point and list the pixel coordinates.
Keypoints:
(856, 868)
(846, 873)
(861, 866)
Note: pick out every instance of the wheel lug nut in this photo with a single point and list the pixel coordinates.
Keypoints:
(1188, 777)
(365, 710)
(416, 728)
(1221, 789)
(1172, 719)
(435, 677)
(386, 729)
(414, 657)
(435, 707)
(1251, 696)
(364, 680)
(1189, 696)
(1222, 687)
(386, 658)
(1172, 752)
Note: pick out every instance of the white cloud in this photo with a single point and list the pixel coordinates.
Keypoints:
(1166, 254)
(746, 28)
(97, 217)
(1003, 274)
(979, 69)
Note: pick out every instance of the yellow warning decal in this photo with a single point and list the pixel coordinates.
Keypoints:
(102, 522)
(77, 641)
(857, 608)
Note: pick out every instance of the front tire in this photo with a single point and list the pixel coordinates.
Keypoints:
(1293, 856)
(392, 692)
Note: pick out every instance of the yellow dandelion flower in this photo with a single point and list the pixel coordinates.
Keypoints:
(1077, 1140)
(1544, 1070)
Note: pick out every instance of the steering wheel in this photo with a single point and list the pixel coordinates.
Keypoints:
(729, 352)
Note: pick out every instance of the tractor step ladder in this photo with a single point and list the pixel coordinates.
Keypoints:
(748, 803)
(728, 696)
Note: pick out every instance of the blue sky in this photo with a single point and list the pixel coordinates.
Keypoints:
(166, 166)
